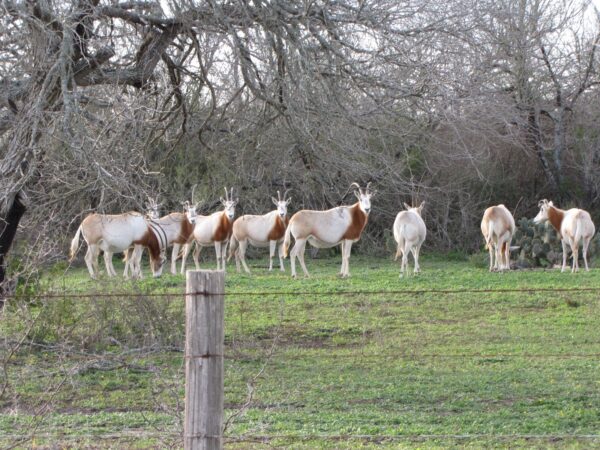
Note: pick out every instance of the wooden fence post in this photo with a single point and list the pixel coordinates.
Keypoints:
(204, 336)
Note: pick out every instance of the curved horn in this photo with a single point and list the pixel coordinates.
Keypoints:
(285, 193)
(231, 194)
(193, 189)
(358, 186)
(278, 196)
(367, 188)
(226, 194)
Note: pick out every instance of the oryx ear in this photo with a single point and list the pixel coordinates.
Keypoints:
(275, 201)
(407, 206)
(357, 194)
(288, 201)
(421, 205)
(235, 202)
(550, 203)
(222, 201)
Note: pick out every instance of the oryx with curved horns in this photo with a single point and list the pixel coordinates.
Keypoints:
(322, 229)
(212, 230)
(176, 229)
(115, 234)
(573, 226)
(266, 230)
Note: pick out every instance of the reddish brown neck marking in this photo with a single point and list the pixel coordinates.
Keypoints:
(185, 232)
(357, 225)
(278, 229)
(150, 241)
(224, 228)
(555, 217)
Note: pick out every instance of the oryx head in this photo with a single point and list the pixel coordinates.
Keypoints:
(157, 265)
(152, 209)
(417, 209)
(542, 216)
(281, 204)
(363, 196)
(190, 207)
(190, 211)
(229, 204)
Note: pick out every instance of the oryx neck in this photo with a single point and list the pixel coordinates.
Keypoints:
(555, 217)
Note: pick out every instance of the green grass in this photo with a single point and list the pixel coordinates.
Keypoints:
(330, 366)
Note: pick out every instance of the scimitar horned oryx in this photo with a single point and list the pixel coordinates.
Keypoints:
(213, 230)
(342, 225)
(266, 230)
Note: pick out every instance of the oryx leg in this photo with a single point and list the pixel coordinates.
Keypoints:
(224, 254)
(346, 258)
(242, 246)
(127, 259)
(499, 257)
(174, 255)
(136, 262)
(298, 252)
(272, 246)
(218, 253)
(280, 252)
(110, 270)
(91, 260)
(405, 253)
(238, 266)
(196, 254)
(186, 250)
(564, 249)
(575, 252)
(415, 251)
(491, 253)
(586, 243)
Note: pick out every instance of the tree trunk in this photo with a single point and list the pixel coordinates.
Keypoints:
(7, 235)
(535, 141)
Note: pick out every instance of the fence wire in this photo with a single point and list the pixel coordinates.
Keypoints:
(289, 354)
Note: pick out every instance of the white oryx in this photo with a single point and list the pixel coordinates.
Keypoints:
(115, 234)
(409, 233)
(175, 229)
(498, 227)
(323, 229)
(260, 231)
(573, 226)
(212, 230)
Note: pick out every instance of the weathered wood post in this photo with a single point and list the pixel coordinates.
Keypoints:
(204, 336)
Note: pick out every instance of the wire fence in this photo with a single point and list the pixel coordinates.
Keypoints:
(304, 367)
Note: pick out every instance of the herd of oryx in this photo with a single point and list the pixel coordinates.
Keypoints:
(132, 231)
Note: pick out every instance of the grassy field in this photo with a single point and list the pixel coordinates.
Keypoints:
(314, 363)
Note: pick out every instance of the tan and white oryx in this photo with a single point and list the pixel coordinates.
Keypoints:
(323, 229)
(409, 232)
(115, 234)
(260, 231)
(573, 226)
(498, 227)
(212, 230)
(175, 229)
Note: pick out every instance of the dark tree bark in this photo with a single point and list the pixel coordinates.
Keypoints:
(10, 224)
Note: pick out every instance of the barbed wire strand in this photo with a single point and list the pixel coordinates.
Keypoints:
(235, 294)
